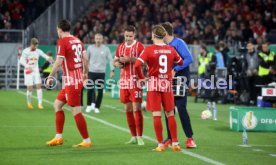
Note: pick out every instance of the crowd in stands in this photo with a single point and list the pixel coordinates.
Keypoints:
(209, 21)
(17, 14)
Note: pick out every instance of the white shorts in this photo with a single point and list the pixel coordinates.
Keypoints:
(32, 78)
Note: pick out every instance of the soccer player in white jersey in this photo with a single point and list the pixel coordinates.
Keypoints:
(29, 59)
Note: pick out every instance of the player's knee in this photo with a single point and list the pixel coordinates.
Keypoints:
(136, 106)
(76, 110)
(57, 106)
(128, 107)
(30, 88)
(38, 86)
(156, 113)
(170, 113)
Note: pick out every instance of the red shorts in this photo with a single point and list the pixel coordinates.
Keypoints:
(155, 99)
(131, 95)
(71, 95)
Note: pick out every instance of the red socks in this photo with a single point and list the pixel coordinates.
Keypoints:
(172, 128)
(81, 124)
(60, 118)
(158, 128)
(139, 122)
(131, 122)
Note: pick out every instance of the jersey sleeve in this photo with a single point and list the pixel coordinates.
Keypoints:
(60, 49)
(42, 54)
(143, 56)
(140, 48)
(177, 59)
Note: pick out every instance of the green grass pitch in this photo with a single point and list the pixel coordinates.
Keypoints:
(23, 134)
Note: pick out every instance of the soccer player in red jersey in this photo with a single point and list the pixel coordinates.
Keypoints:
(131, 96)
(160, 59)
(73, 58)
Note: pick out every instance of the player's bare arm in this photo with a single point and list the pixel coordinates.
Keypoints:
(56, 66)
(126, 59)
(85, 65)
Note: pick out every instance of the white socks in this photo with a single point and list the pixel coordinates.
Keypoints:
(160, 144)
(29, 96)
(39, 96)
(87, 140)
(58, 136)
(209, 105)
(175, 144)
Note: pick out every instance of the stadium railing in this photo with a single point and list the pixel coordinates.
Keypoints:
(11, 41)
(44, 27)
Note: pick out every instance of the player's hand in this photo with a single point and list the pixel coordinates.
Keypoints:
(111, 74)
(118, 64)
(51, 60)
(28, 70)
(49, 81)
(124, 59)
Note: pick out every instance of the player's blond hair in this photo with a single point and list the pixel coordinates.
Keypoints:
(159, 31)
(98, 34)
(34, 41)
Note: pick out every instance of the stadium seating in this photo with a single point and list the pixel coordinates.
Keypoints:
(17, 14)
(195, 21)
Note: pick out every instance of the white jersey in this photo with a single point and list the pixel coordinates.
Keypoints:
(29, 58)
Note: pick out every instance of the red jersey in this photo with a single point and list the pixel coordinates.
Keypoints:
(133, 50)
(160, 60)
(71, 49)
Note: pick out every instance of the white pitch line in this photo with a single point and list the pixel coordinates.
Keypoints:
(263, 145)
(245, 145)
(203, 158)
(258, 150)
(273, 155)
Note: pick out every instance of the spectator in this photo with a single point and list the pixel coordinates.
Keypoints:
(219, 57)
(246, 32)
(199, 20)
(266, 60)
(224, 51)
(251, 71)
(259, 30)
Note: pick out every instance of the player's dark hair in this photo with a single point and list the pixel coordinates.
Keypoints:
(265, 43)
(168, 27)
(159, 31)
(64, 25)
(217, 47)
(130, 28)
(204, 47)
